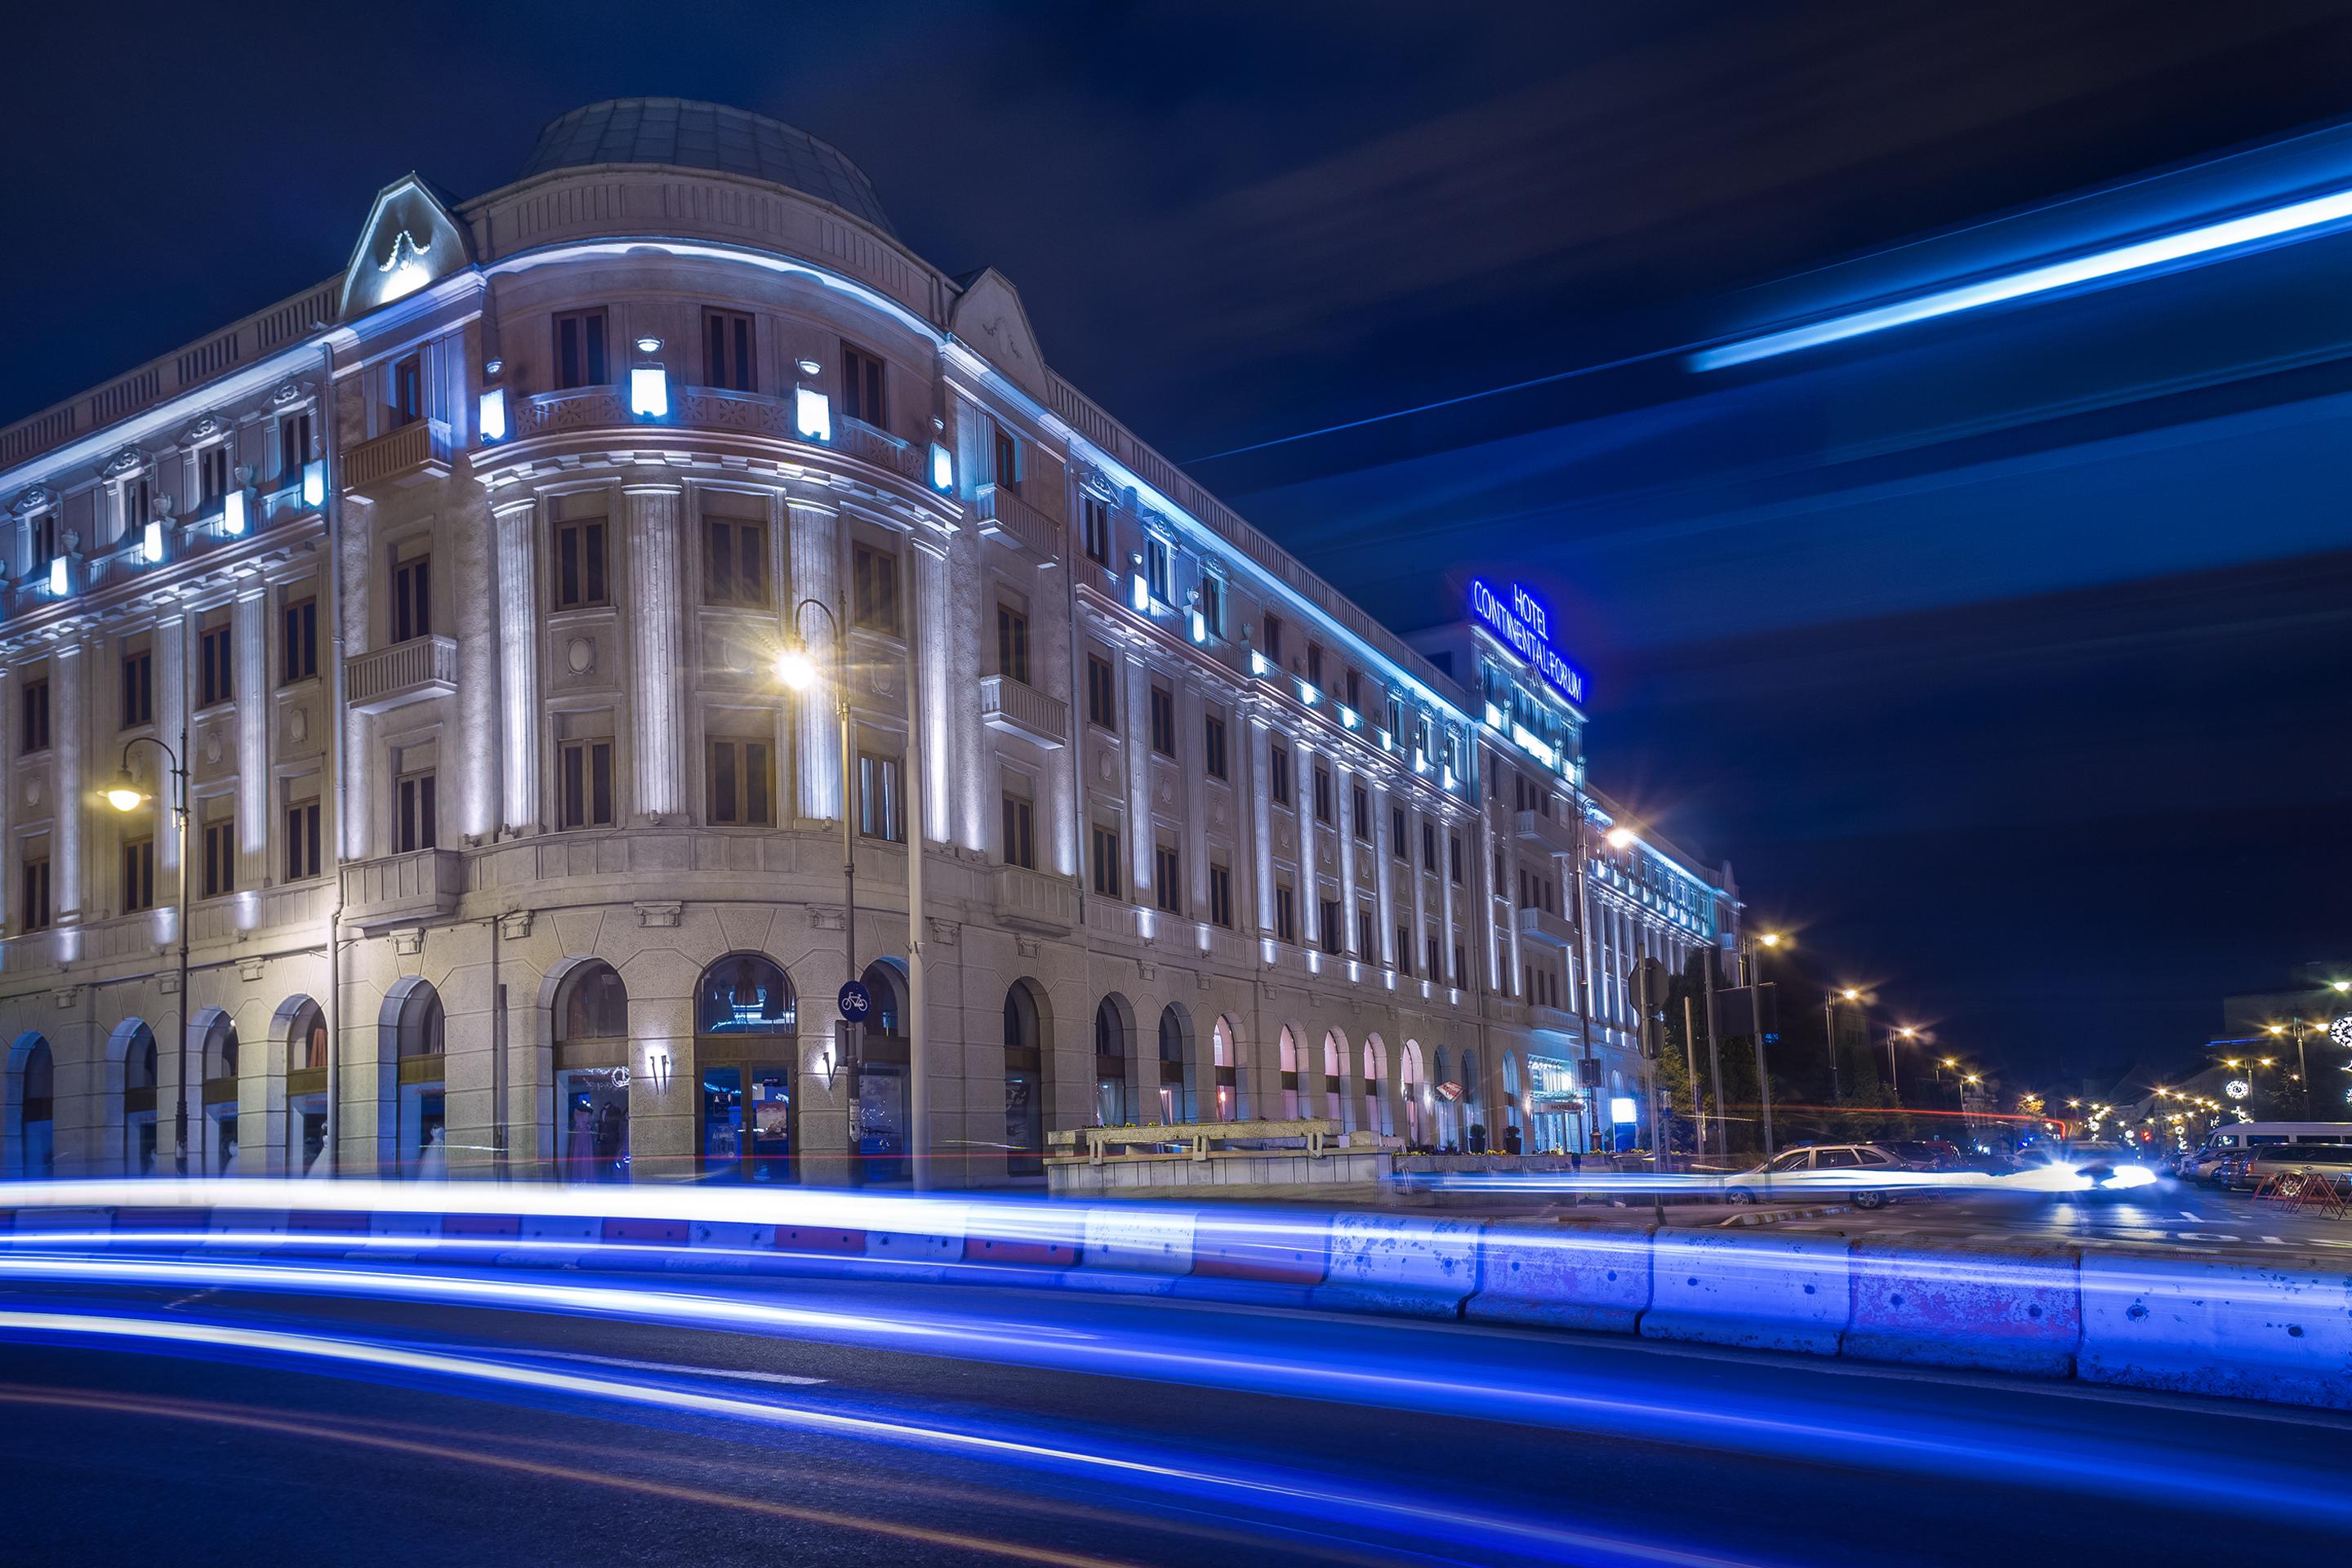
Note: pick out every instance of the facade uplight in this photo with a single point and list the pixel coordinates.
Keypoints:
(57, 574)
(649, 392)
(233, 511)
(150, 543)
(493, 421)
(314, 482)
(813, 414)
(942, 468)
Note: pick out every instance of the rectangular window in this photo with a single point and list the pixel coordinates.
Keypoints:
(298, 641)
(138, 688)
(735, 562)
(412, 599)
(875, 577)
(408, 391)
(220, 858)
(1404, 949)
(302, 846)
(1399, 845)
(861, 387)
(741, 783)
(1102, 693)
(1105, 845)
(1454, 857)
(213, 678)
(1020, 842)
(1323, 805)
(33, 718)
(1212, 746)
(881, 797)
(1429, 847)
(1167, 891)
(1273, 649)
(293, 445)
(1012, 644)
(134, 506)
(1327, 929)
(1460, 966)
(41, 539)
(1286, 914)
(1007, 472)
(726, 351)
(1157, 568)
(1360, 801)
(33, 905)
(1221, 896)
(1094, 513)
(1315, 665)
(1213, 607)
(1163, 720)
(1364, 949)
(138, 875)
(1354, 687)
(419, 824)
(1278, 774)
(1437, 970)
(583, 784)
(212, 474)
(580, 577)
(579, 350)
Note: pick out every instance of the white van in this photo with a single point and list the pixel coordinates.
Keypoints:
(2250, 1134)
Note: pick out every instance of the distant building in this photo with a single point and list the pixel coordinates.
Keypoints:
(463, 586)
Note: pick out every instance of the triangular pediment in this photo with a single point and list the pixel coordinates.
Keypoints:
(410, 240)
(990, 321)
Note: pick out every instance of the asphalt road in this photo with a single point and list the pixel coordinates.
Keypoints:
(2169, 1214)
(334, 1419)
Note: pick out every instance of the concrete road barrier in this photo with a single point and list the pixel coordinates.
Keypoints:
(1563, 1276)
(1766, 1291)
(1274, 1246)
(1953, 1306)
(1149, 1244)
(2280, 1332)
(1391, 1263)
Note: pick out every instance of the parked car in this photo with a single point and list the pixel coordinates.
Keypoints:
(2251, 1168)
(1923, 1154)
(1815, 1170)
(2203, 1166)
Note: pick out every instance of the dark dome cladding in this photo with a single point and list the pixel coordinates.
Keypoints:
(684, 134)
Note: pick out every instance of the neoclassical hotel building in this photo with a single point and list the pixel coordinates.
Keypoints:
(528, 617)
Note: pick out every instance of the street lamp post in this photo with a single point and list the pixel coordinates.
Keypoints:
(1894, 1083)
(125, 795)
(1829, 1030)
(1754, 977)
(797, 671)
(2301, 1069)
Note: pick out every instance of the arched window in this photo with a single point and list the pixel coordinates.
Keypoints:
(888, 987)
(1287, 1057)
(306, 1039)
(135, 1045)
(1511, 1106)
(1335, 1055)
(1025, 1081)
(306, 1083)
(220, 1093)
(1444, 1092)
(591, 1005)
(412, 1011)
(1376, 1072)
(1114, 1093)
(1412, 1088)
(591, 1030)
(746, 993)
(33, 1108)
(420, 1029)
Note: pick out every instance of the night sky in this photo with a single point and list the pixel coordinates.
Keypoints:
(2058, 818)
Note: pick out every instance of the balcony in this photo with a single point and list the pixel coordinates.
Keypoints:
(402, 889)
(1034, 900)
(385, 677)
(1543, 926)
(577, 409)
(408, 456)
(1019, 710)
(1005, 516)
(859, 439)
(1550, 833)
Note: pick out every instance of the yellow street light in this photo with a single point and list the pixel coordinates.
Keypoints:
(2339, 986)
(124, 794)
(1950, 1062)
(1851, 995)
(1621, 837)
(1772, 939)
(2273, 1028)
(1907, 1032)
(795, 668)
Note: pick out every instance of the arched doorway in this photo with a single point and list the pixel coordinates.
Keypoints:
(302, 1026)
(883, 1055)
(1224, 1060)
(32, 1109)
(134, 1045)
(1446, 1092)
(1413, 1087)
(1474, 1118)
(1028, 1082)
(219, 1054)
(1287, 1063)
(1177, 1092)
(1376, 1073)
(412, 1018)
(1335, 1058)
(746, 1041)
(1513, 1139)
(1114, 1032)
(591, 1035)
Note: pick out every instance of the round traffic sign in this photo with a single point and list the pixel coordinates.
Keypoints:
(855, 1001)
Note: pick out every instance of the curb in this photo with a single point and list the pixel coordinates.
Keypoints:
(1814, 1212)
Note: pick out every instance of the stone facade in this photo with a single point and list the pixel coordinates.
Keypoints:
(461, 583)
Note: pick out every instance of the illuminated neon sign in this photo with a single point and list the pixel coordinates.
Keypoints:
(1525, 628)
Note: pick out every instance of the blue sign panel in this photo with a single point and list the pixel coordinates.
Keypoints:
(855, 1001)
(1525, 628)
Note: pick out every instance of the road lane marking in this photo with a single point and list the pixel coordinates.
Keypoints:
(745, 1374)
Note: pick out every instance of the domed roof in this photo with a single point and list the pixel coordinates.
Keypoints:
(684, 134)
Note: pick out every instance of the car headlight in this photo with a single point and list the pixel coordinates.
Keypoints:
(2131, 1176)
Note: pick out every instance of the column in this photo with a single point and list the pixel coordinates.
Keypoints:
(248, 631)
(656, 650)
(1310, 875)
(1384, 876)
(1343, 810)
(170, 723)
(927, 562)
(480, 673)
(354, 545)
(815, 574)
(1257, 746)
(1135, 751)
(70, 722)
(1420, 878)
(515, 527)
